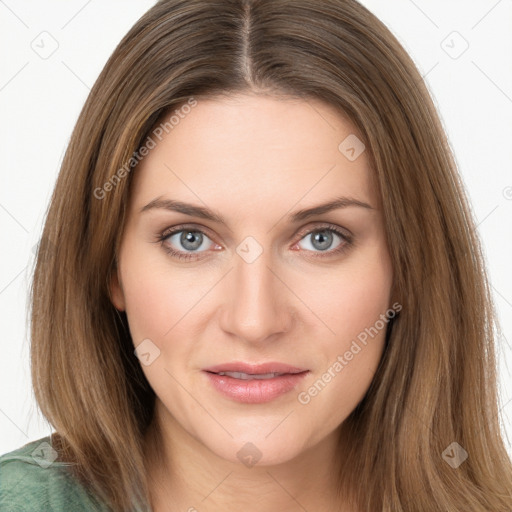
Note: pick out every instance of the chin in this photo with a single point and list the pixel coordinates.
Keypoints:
(257, 451)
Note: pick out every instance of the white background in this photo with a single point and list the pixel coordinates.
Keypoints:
(40, 99)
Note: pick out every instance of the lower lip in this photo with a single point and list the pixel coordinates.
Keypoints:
(255, 391)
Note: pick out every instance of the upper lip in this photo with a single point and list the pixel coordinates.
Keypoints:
(254, 369)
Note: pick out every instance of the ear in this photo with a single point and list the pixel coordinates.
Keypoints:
(116, 291)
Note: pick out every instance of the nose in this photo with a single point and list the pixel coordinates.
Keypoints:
(256, 304)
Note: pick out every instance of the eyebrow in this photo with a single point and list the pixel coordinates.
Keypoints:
(205, 213)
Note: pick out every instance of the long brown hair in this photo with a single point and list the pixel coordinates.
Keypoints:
(436, 384)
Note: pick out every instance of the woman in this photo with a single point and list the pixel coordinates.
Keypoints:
(259, 282)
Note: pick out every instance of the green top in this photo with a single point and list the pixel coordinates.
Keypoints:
(31, 479)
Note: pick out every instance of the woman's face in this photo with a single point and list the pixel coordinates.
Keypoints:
(258, 281)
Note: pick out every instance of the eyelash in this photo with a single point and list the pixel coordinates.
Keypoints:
(163, 236)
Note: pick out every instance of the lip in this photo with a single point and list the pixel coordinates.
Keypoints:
(253, 369)
(254, 391)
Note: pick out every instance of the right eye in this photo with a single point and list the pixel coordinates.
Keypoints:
(189, 238)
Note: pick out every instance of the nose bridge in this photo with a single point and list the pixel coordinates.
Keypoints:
(254, 308)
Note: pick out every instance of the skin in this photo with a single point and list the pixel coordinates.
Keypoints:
(253, 159)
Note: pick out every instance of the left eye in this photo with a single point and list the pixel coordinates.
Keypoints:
(321, 240)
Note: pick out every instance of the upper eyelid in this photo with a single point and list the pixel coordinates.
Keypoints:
(186, 227)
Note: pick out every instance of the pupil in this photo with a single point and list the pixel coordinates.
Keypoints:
(187, 239)
(324, 241)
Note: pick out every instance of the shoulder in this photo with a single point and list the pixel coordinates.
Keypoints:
(33, 479)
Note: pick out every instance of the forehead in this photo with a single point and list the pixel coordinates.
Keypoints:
(254, 150)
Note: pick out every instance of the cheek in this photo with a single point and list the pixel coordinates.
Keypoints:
(160, 308)
(352, 299)
(352, 305)
(147, 304)
(158, 300)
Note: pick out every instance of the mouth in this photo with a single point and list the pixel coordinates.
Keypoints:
(248, 376)
(255, 368)
(254, 383)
